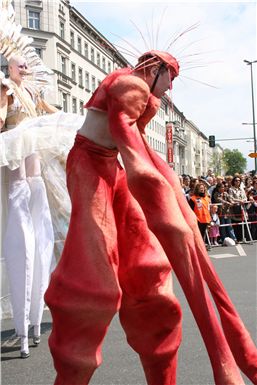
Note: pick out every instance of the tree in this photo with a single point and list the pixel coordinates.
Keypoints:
(233, 161)
(217, 163)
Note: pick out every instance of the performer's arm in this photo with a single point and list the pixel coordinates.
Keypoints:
(127, 100)
(43, 105)
(152, 107)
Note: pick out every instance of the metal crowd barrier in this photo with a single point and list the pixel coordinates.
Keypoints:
(243, 223)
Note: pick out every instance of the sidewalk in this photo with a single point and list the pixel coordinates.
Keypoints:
(38, 368)
(236, 267)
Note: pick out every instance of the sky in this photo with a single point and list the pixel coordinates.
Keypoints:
(213, 52)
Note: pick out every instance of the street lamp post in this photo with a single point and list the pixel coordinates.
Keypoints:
(250, 63)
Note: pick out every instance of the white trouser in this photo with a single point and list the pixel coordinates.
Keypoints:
(28, 250)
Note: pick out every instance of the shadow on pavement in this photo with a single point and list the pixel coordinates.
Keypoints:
(11, 343)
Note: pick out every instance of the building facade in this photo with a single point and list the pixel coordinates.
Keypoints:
(81, 57)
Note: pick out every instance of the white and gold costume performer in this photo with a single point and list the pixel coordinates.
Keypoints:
(29, 239)
(27, 144)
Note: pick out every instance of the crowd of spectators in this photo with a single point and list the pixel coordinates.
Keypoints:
(225, 206)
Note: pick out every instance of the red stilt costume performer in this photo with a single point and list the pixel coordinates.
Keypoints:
(123, 225)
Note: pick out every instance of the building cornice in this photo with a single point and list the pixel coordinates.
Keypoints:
(92, 32)
(64, 48)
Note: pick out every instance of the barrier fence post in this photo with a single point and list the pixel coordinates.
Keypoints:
(244, 222)
(247, 226)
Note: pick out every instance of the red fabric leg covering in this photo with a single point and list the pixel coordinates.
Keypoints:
(238, 338)
(84, 292)
(150, 314)
(156, 189)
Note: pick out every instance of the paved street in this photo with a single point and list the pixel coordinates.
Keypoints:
(237, 268)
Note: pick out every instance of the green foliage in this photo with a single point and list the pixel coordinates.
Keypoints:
(217, 163)
(233, 161)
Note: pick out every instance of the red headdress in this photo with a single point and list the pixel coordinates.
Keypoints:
(161, 57)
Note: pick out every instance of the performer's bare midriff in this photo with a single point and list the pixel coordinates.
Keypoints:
(96, 129)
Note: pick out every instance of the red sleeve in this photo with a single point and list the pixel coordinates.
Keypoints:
(128, 95)
(150, 111)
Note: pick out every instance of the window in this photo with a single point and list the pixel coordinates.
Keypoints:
(98, 59)
(73, 72)
(63, 65)
(79, 44)
(80, 77)
(81, 107)
(86, 50)
(92, 55)
(65, 102)
(34, 20)
(39, 52)
(62, 30)
(93, 84)
(72, 39)
(104, 64)
(98, 82)
(87, 81)
(109, 67)
(74, 105)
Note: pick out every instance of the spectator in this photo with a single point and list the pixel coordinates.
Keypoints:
(181, 182)
(238, 198)
(193, 182)
(199, 203)
(248, 184)
(251, 209)
(186, 183)
(228, 180)
(219, 179)
(254, 189)
(222, 197)
(209, 173)
(212, 182)
(214, 232)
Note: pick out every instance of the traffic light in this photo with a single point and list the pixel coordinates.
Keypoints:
(212, 140)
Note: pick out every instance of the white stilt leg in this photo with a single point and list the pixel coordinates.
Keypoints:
(44, 243)
(24, 344)
(18, 250)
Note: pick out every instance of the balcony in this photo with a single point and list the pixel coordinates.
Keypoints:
(179, 136)
(63, 79)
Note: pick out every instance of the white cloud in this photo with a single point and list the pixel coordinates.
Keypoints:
(227, 32)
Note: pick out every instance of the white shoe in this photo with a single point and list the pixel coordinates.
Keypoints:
(25, 354)
(25, 347)
(36, 340)
(36, 336)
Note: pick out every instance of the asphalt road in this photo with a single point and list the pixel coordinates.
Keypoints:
(236, 267)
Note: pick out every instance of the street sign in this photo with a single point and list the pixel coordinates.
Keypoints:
(253, 155)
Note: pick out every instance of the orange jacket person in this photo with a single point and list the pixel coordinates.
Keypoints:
(199, 203)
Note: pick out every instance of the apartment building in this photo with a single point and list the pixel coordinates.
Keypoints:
(199, 154)
(80, 57)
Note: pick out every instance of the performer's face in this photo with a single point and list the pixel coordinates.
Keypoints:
(164, 83)
(17, 70)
